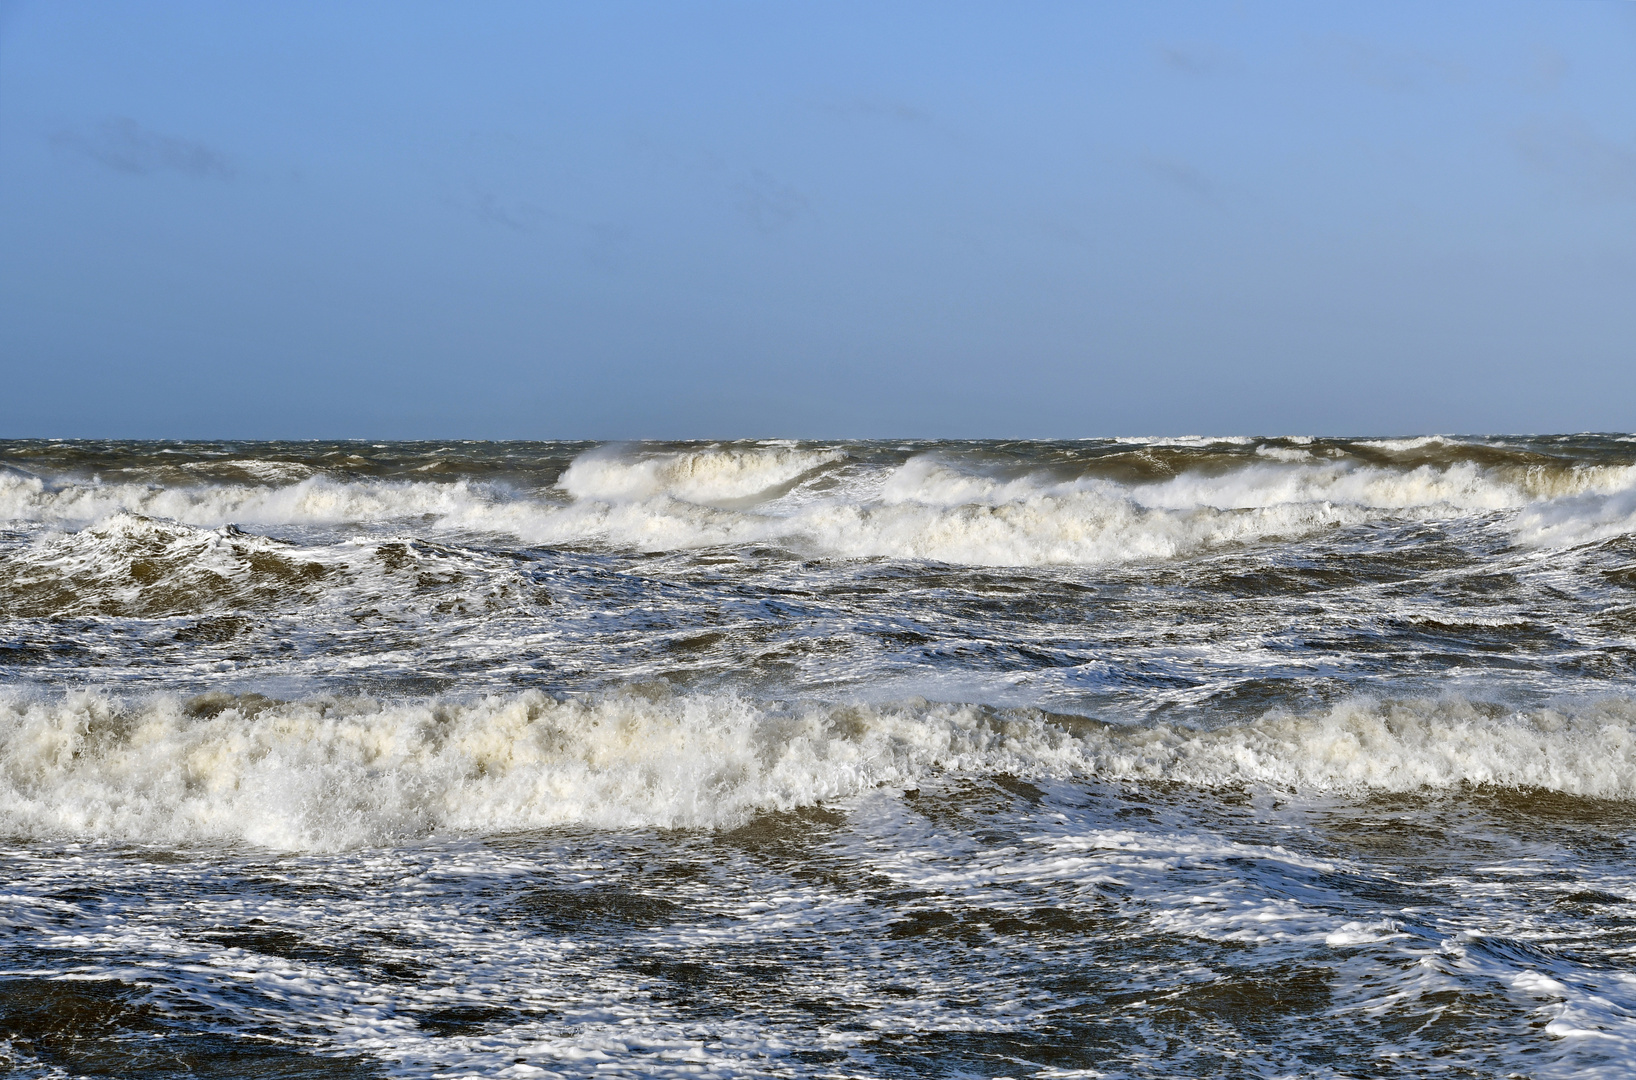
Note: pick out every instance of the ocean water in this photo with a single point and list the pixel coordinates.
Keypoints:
(1275, 757)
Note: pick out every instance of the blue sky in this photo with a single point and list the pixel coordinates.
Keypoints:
(610, 220)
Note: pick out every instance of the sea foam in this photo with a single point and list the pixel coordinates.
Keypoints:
(825, 502)
(331, 773)
(717, 475)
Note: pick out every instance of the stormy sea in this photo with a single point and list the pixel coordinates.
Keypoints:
(1249, 757)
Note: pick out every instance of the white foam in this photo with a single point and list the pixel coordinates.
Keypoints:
(932, 508)
(128, 565)
(327, 773)
(1417, 442)
(927, 507)
(1364, 745)
(714, 475)
(323, 774)
(265, 471)
(1284, 453)
(1580, 519)
(1185, 441)
(112, 564)
(318, 500)
(1461, 487)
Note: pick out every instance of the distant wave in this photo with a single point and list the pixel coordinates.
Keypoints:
(949, 507)
(333, 773)
(704, 476)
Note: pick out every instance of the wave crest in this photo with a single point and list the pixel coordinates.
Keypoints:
(952, 508)
(714, 475)
(329, 773)
(130, 565)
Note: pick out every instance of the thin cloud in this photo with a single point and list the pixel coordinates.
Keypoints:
(883, 109)
(608, 233)
(125, 146)
(1194, 59)
(7, 9)
(768, 203)
(904, 119)
(1180, 175)
(518, 217)
(1400, 72)
(1548, 69)
(607, 242)
(1065, 232)
(1572, 151)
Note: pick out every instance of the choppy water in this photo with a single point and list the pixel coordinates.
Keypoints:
(1145, 758)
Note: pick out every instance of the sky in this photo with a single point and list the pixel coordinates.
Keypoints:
(817, 220)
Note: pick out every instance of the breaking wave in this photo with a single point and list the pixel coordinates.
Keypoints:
(331, 773)
(132, 565)
(724, 475)
(964, 508)
(317, 500)
(128, 565)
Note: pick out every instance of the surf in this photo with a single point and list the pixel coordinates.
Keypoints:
(333, 773)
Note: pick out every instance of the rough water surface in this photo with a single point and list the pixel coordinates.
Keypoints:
(1118, 758)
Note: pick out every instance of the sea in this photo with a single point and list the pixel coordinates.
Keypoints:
(1190, 757)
